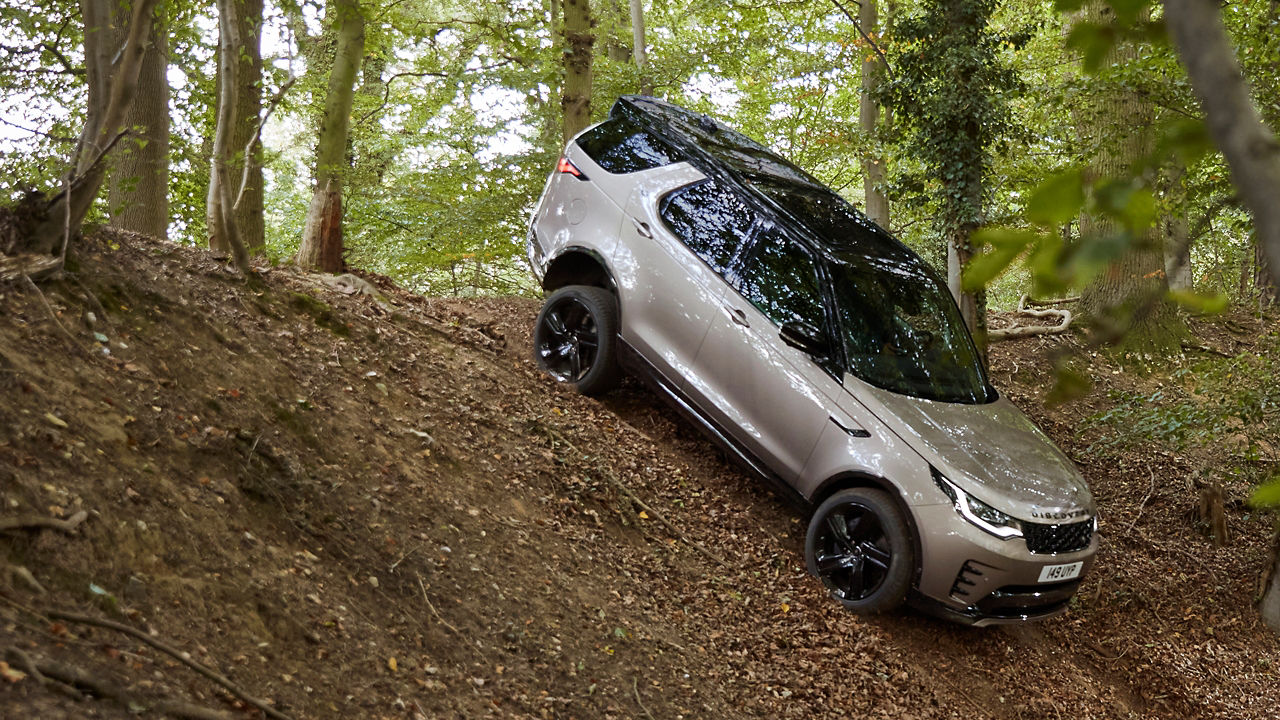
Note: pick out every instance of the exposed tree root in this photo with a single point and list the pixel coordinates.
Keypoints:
(180, 656)
(35, 266)
(1025, 304)
(65, 679)
(31, 522)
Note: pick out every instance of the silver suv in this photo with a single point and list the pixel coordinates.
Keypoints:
(821, 353)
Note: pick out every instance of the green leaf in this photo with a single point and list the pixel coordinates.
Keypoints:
(1127, 11)
(1187, 137)
(1058, 199)
(1068, 385)
(1267, 495)
(1005, 244)
(1206, 303)
(1094, 41)
(1066, 6)
(1139, 211)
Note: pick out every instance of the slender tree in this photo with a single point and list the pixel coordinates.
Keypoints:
(877, 203)
(949, 90)
(322, 246)
(579, 40)
(223, 228)
(638, 51)
(138, 187)
(1234, 122)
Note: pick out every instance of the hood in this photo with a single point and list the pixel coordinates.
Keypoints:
(992, 450)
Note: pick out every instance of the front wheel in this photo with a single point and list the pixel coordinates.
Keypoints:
(859, 545)
(574, 338)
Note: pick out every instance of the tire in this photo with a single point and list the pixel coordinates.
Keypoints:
(868, 565)
(575, 338)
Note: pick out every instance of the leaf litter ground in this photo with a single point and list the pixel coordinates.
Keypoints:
(354, 509)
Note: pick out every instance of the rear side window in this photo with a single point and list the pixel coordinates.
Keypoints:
(712, 220)
(781, 280)
(620, 146)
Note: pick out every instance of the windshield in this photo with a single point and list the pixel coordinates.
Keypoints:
(901, 330)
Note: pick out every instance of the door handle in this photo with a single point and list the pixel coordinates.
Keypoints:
(643, 229)
(737, 316)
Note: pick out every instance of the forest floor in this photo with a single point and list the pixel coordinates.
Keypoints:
(361, 510)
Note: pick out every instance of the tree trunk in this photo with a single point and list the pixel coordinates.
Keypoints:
(322, 246)
(223, 227)
(138, 192)
(638, 51)
(616, 44)
(249, 205)
(1269, 605)
(1264, 282)
(973, 305)
(877, 204)
(576, 102)
(1232, 118)
(1177, 242)
(246, 101)
(1127, 300)
(104, 120)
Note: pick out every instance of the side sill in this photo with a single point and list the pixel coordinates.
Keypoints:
(644, 371)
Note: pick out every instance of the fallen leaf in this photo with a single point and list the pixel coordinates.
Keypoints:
(391, 663)
(13, 675)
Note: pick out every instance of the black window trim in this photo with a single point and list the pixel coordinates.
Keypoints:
(835, 365)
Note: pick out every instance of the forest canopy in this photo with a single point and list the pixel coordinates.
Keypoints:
(1069, 131)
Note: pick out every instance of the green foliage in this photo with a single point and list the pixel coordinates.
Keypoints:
(952, 90)
(1231, 402)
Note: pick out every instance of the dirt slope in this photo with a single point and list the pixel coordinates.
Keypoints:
(353, 510)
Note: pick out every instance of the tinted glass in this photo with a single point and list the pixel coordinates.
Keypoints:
(730, 147)
(710, 219)
(620, 146)
(781, 280)
(902, 332)
(827, 214)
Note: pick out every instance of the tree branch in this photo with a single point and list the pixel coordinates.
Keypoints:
(1252, 154)
(257, 133)
(888, 68)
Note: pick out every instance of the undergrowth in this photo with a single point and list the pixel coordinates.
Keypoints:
(1231, 403)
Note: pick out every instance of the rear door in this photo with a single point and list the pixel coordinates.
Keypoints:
(669, 265)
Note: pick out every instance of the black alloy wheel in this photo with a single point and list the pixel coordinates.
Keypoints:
(859, 545)
(574, 338)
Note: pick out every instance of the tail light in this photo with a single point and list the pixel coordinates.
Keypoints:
(566, 166)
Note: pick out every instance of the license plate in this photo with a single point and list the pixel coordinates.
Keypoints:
(1055, 573)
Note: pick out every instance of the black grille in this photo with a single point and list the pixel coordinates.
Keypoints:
(1047, 539)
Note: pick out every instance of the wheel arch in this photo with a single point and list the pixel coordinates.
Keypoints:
(851, 480)
(577, 265)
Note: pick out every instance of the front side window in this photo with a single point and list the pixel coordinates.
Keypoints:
(711, 219)
(902, 332)
(781, 280)
(621, 146)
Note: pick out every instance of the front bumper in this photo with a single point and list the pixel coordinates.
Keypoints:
(973, 577)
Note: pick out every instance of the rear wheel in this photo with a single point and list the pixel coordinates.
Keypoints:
(859, 545)
(574, 338)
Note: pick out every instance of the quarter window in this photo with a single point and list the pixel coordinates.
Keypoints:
(620, 146)
(781, 280)
(712, 220)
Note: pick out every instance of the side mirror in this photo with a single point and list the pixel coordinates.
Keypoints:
(806, 338)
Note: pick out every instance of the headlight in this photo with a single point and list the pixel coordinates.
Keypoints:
(978, 512)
